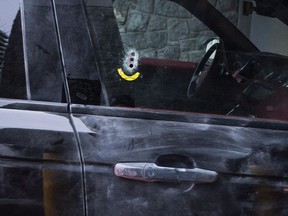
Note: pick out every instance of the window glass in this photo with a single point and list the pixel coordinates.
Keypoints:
(12, 72)
(30, 62)
(78, 53)
(44, 65)
(140, 37)
(195, 56)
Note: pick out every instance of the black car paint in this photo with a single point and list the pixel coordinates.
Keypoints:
(41, 172)
(248, 154)
(246, 159)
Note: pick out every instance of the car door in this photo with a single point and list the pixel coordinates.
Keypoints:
(144, 156)
(157, 163)
(40, 164)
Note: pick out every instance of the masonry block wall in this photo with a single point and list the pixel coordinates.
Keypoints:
(163, 29)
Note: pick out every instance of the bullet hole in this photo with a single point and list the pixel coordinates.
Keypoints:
(130, 61)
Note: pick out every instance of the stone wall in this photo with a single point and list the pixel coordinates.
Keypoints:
(163, 29)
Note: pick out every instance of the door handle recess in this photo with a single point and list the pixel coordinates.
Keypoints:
(151, 172)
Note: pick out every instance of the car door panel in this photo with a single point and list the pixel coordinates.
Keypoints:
(245, 157)
(40, 166)
(248, 161)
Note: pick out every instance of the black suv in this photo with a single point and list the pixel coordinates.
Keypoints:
(143, 107)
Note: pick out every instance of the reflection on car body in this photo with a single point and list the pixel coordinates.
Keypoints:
(137, 107)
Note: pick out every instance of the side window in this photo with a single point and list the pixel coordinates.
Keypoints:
(158, 54)
(12, 70)
(147, 52)
(30, 60)
(81, 69)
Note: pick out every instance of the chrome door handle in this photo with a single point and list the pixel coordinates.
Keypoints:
(151, 172)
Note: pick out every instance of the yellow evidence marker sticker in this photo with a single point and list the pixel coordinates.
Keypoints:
(127, 77)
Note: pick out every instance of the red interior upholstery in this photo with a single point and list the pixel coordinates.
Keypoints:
(168, 63)
(275, 106)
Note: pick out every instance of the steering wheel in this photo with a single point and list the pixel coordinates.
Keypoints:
(202, 71)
